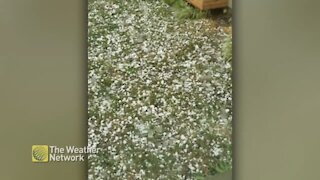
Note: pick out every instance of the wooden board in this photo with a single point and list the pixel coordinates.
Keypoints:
(209, 4)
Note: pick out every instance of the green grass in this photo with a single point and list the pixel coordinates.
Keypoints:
(183, 10)
(227, 48)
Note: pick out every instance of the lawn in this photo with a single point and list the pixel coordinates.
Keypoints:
(160, 92)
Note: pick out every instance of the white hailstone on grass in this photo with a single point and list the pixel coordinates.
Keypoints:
(116, 46)
(217, 151)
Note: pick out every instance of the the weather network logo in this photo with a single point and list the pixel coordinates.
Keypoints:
(40, 153)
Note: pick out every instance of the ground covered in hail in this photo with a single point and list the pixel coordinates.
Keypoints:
(159, 93)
